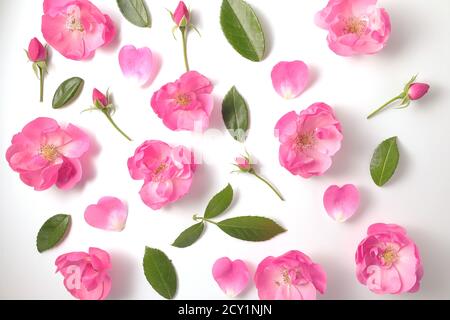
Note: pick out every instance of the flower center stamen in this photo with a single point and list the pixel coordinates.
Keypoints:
(305, 141)
(160, 169)
(73, 22)
(389, 256)
(355, 26)
(183, 100)
(49, 152)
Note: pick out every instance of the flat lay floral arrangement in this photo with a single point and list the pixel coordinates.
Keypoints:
(45, 153)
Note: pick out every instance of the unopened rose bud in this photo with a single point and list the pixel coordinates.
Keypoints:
(36, 51)
(100, 97)
(418, 90)
(243, 164)
(181, 16)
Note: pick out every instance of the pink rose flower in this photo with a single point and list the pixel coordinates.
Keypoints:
(44, 154)
(292, 276)
(76, 28)
(309, 140)
(418, 90)
(36, 51)
(167, 172)
(181, 16)
(185, 104)
(86, 274)
(355, 26)
(387, 261)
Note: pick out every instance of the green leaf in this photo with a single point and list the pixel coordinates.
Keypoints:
(219, 203)
(136, 12)
(235, 115)
(251, 228)
(67, 92)
(384, 161)
(52, 232)
(189, 236)
(242, 29)
(160, 272)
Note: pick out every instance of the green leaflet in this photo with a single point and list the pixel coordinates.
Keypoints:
(52, 232)
(160, 272)
(384, 161)
(136, 12)
(235, 115)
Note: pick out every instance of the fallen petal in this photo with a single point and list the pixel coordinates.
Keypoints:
(108, 214)
(136, 63)
(341, 203)
(290, 79)
(231, 276)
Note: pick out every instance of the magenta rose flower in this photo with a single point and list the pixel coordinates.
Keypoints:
(355, 26)
(86, 274)
(309, 140)
(388, 261)
(167, 172)
(185, 104)
(292, 276)
(36, 51)
(181, 16)
(76, 28)
(45, 154)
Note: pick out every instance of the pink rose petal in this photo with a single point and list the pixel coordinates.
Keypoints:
(290, 79)
(231, 276)
(108, 214)
(136, 63)
(341, 203)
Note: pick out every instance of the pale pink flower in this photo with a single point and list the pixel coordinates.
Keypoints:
(109, 214)
(181, 16)
(243, 163)
(292, 276)
(76, 28)
(136, 63)
(388, 261)
(309, 140)
(185, 104)
(290, 79)
(86, 275)
(36, 51)
(355, 26)
(45, 154)
(341, 203)
(418, 90)
(231, 276)
(167, 172)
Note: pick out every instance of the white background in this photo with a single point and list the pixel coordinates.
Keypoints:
(416, 198)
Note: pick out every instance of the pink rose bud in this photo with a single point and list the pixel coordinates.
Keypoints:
(418, 90)
(100, 97)
(181, 16)
(36, 51)
(243, 163)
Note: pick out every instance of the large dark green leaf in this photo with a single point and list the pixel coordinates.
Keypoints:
(160, 272)
(189, 236)
(67, 91)
(52, 232)
(235, 115)
(242, 29)
(384, 161)
(219, 203)
(251, 228)
(136, 12)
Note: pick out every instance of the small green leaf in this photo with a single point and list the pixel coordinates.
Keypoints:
(219, 203)
(189, 236)
(136, 12)
(384, 161)
(235, 115)
(160, 272)
(52, 232)
(67, 92)
(242, 29)
(251, 228)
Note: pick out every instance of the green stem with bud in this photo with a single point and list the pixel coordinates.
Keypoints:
(41, 81)
(184, 32)
(253, 172)
(401, 96)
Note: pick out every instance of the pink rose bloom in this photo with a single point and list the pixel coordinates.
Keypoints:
(292, 276)
(387, 261)
(45, 154)
(418, 90)
(167, 172)
(76, 28)
(36, 51)
(355, 26)
(86, 274)
(309, 140)
(185, 104)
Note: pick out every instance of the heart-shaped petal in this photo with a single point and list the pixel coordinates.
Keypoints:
(136, 63)
(290, 79)
(231, 276)
(341, 203)
(109, 214)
